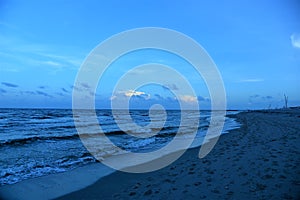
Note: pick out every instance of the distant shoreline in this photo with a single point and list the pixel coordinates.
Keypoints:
(242, 110)
(39, 108)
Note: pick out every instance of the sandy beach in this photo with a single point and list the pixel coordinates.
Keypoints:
(258, 161)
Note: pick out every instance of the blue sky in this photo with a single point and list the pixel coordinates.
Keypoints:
(255, 44)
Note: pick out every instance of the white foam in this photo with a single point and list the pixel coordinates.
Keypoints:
(55, 185)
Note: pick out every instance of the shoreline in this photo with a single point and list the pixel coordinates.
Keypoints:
(56, 185)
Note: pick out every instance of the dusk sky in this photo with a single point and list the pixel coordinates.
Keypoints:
(255, 45)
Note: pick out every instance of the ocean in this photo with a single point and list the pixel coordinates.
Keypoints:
(38, 142)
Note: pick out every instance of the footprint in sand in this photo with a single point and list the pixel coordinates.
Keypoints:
(148, 192)
(168, 181)
(216, 191)
(197, 183)
(136, 186)
(209, 179)
(132, 193)
(267, 176)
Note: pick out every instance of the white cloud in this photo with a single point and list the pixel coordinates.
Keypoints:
(295, 39)
(17, 51)
(67, 59)
(130, 93)
(188, 98)
(113, 97)
(51, 63)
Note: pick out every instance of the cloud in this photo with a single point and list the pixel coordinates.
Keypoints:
(255, 96)
(9, 68)
(60, 94)
(200, 98)
(51, 63)
(171, 99)
(73, 87)
(2, 91)
(29, 92)
(140, 97)
(43, 93)
(267, 97)
(131, 93)
(113, 97)
(188, 98)
(9, 84)
(42, 87)
(295, 39)
(251, 80)
(64, 90)
(60, 58)
(31, 54)
(259, 98)
(157, 96)
(92, 93)
(167, 99)
(85, 85)
(170, 87)
(83, 88)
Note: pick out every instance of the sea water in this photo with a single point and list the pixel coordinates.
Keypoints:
(38, 142)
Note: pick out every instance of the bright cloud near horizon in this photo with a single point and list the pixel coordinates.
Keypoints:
(255, 45)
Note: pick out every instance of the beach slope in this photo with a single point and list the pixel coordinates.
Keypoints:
(258, 161)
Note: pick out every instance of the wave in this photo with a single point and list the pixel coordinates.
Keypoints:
(27, 140)
(165, 129)
(13, 174)
(50, 115)
(165, 135)
(59, 127)
(118, 132)
(42, 117)
(21, 141)
(168, 131)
